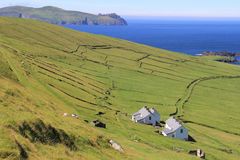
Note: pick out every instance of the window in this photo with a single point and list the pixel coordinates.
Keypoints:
(150, 118)
(173, 136)
(181, 131)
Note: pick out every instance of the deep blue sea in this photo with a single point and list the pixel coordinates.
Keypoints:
(186, 36)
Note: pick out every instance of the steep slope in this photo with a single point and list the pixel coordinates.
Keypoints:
(52, 70)
(59, 16)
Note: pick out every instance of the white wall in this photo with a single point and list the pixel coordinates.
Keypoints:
(179, 135)
(153, 120)
(146, 120)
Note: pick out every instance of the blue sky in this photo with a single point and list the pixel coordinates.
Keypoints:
(156, 8)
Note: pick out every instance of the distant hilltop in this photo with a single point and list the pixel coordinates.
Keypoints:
(60, 16)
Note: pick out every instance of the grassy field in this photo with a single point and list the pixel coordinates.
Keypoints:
(48, 70)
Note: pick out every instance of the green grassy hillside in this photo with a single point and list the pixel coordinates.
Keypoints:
(48, 70)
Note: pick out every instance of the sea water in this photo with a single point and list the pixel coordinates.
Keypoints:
(186, 36)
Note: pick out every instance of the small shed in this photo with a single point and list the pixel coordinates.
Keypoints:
(98, 123)
(173, 128)
(146, 115)
(199, 153)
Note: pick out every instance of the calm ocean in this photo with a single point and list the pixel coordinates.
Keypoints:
(186, 36)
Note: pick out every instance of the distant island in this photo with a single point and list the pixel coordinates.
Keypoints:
(60, 16)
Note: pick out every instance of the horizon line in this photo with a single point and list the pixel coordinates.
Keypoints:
(187, 17)
(143, 16)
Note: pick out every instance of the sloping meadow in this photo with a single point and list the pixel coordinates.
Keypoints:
(49, 71)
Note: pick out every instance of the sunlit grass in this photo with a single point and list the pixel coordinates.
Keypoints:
(47, 70)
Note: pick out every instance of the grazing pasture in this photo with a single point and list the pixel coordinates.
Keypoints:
(47, 70)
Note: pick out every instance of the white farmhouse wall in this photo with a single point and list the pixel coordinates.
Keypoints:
(179, 135)
(153, 120)
(147, 120)
(183, 135)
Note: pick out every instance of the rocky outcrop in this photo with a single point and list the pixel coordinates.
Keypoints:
(224, 56)
(220, 53)
(116, 146)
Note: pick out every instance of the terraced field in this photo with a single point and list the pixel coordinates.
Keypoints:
(47, 70)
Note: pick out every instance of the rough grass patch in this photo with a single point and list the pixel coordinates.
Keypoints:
(13, 92)
(102, 142)
(7, 154)
(6, 71)
(23, 155)
(38, 131)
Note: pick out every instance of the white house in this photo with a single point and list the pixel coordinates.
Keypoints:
(175, 129)
(146, 116)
